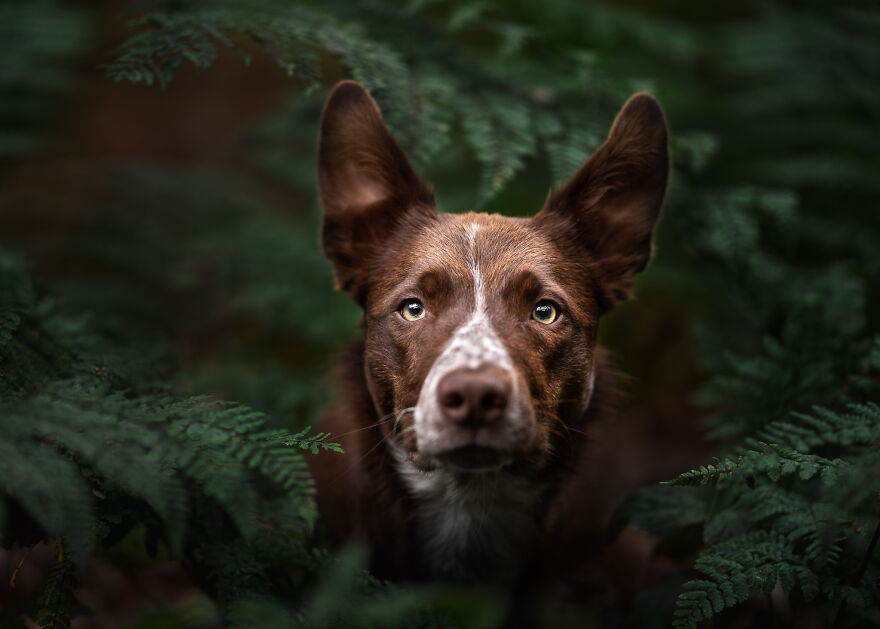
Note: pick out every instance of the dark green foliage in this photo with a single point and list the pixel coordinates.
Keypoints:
(427, 90)
(58, 605)
(43, 37)
(790, 516)
(347, 596)
(791, 353)
(294, 36)
(52, 428)
(660, 510)
(312, 443)
(737, 570)
(780, 515)
(87, 456)
(796, 505)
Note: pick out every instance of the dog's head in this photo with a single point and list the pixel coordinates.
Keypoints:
(481, 329)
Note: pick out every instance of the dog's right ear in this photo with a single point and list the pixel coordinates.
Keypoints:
(366, 183)
(613, 202)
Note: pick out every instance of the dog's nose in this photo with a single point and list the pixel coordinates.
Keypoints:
(474, 396)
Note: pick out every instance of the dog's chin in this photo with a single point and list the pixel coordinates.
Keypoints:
(470, 459)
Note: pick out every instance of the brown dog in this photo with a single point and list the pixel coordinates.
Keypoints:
(462, 412)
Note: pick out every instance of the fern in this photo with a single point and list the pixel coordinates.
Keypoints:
(423, 90)
(792, 374)
(824, 428)
(765, 458)
(799, 531)
(312, 443)
(739, 569)
(58, 605)
(294, 36)
(210, 444)
(84, 453)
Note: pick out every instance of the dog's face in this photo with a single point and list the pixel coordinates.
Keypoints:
(481, 329)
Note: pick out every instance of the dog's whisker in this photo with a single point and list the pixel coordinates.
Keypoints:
(398, 416)
(375, 424)
(553, 418)
(406, 430)
(367, 453)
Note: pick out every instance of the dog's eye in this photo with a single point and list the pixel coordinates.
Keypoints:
(545, 312)
(412, 310)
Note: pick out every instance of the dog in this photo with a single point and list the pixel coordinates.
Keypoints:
(463, 410)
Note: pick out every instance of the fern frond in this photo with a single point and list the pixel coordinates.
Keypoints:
(57, 605)
(769, 459)
(312, 443)
(49, 488)
(739, 569)
(707, 474)
(499, 128)
(823, 428)
(422, 94)
(295, 37)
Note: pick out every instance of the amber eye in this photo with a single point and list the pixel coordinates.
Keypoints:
(545, 312)
(412, 310)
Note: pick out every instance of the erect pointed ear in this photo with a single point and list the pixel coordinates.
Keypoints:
(367, 186)
(610, 206)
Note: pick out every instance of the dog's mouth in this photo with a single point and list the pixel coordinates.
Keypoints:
(469, 459)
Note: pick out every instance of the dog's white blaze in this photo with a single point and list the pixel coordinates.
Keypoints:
(474, 344)
(467, 516)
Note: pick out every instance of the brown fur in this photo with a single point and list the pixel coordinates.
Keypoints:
(389, 244)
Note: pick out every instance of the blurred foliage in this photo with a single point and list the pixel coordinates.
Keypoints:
(171, 281)
(40, 41)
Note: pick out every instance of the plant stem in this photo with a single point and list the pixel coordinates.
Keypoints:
(867, 559)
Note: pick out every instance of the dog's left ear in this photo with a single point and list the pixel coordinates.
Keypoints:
(367, 186)
(610, 206)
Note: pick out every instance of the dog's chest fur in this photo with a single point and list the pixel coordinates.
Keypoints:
(472, 526)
